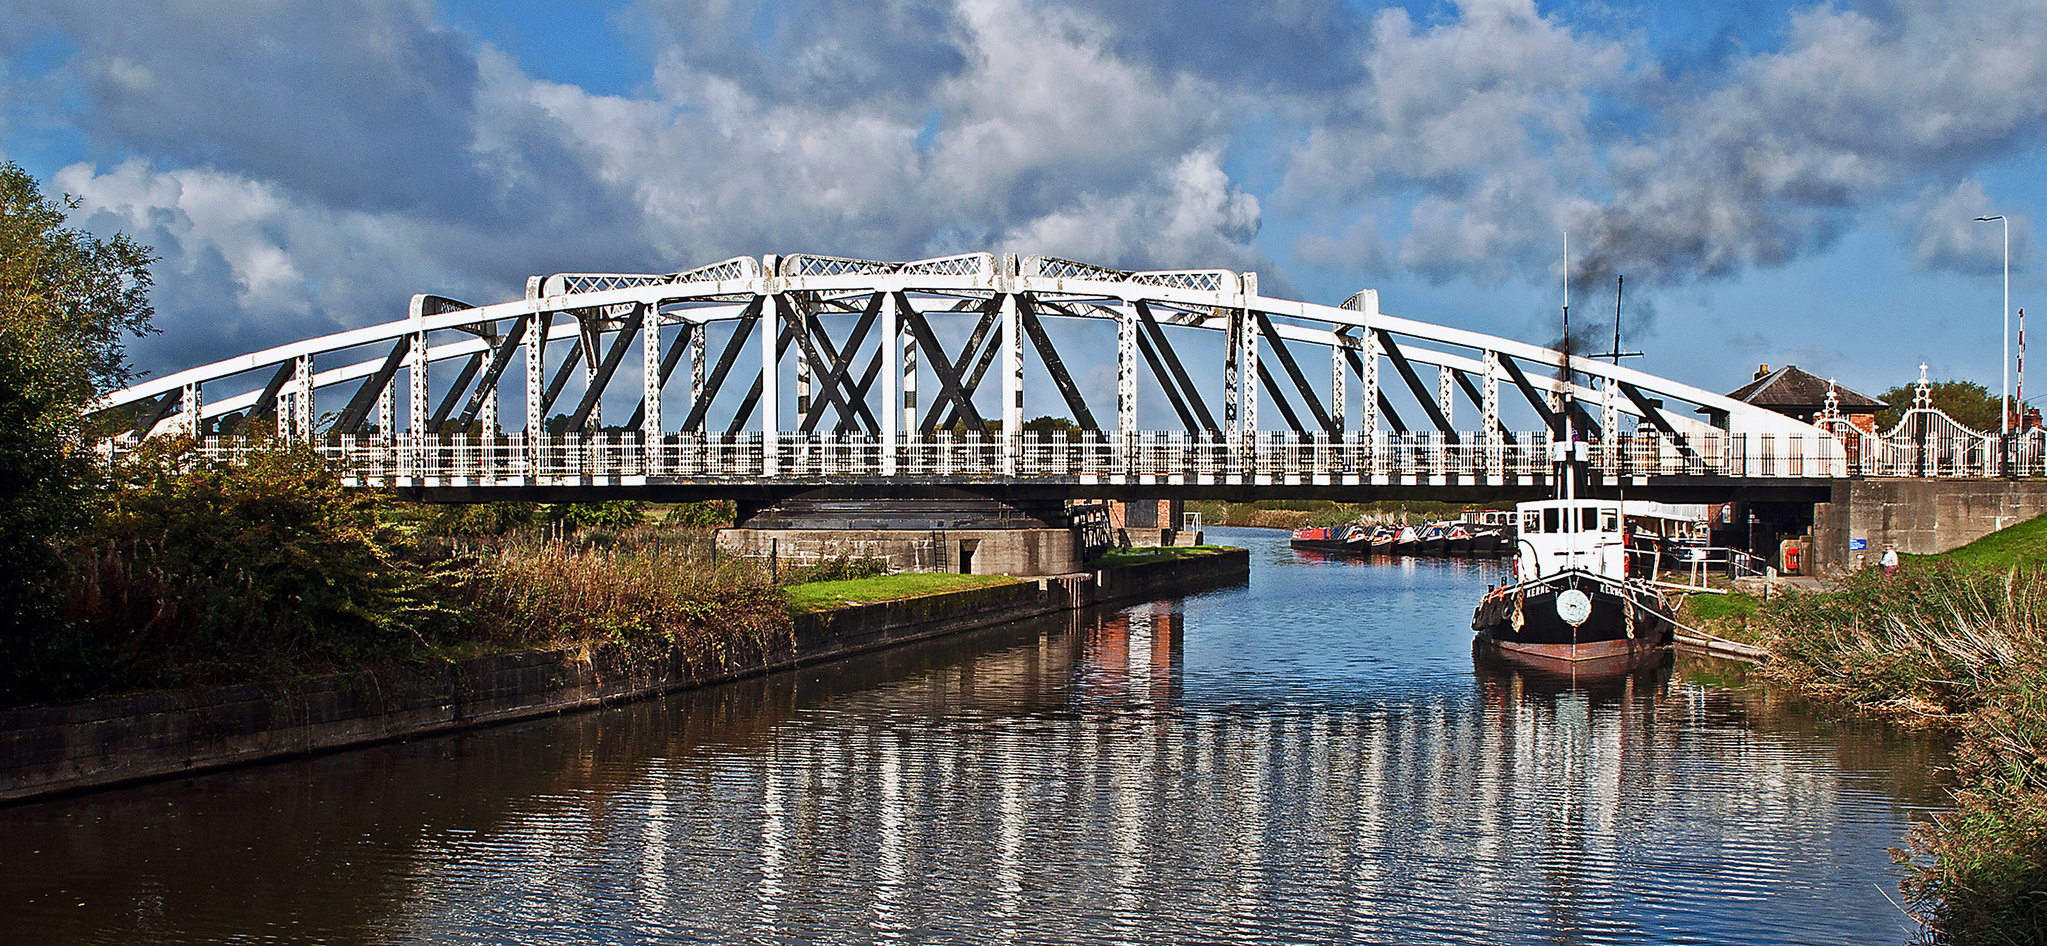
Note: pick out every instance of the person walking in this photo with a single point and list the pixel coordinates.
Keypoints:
(1890, 560)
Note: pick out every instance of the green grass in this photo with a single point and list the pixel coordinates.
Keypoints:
(1139, 555)
(2023, 544)
(1725, 615)
(825, 595)
(1734, 605)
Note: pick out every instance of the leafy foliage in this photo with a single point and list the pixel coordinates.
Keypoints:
(479, 519)
(1970, 404)
(611, 514)
(67, 300)
(835, 568)
(199, 573)
(703, 515)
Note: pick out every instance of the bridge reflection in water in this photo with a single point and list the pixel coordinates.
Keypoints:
(1175, 771)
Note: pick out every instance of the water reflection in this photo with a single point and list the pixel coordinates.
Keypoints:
(1315, 757)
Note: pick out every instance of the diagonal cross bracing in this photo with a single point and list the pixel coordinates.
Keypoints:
(748, 317)
(1550, 419)
(1357, 367)
(783, 339)
(669, 359)
(1286, 360)
(835, 372)
(1421, 393)
(455, 391)
(266, 403)
(365, 398)
(1656, 417)
(500, 358)
(1178, 371)
(627, 334)
(1471, 391)
(1279, 400)
(951, 389)
(1027, 312)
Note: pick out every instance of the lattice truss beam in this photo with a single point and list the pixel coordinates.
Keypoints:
(856, 342)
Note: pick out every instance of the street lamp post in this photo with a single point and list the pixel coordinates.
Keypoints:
(2004, 393)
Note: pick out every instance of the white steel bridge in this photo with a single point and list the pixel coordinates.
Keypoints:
(866, 374)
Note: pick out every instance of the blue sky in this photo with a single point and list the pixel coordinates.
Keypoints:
(1778, 183)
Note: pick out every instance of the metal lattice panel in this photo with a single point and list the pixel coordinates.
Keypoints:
(1199, 280)
(967, 264)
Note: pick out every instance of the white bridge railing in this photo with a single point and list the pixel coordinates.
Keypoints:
(1165, 456)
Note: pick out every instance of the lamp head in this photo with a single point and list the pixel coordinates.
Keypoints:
(1990, 218)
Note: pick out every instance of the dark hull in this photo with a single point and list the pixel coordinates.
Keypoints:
(1337, 546)
(1608, 632)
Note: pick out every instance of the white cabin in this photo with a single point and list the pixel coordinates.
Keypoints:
(1560, 534)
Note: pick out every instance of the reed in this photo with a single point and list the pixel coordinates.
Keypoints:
(1965, 650)
(657, 592)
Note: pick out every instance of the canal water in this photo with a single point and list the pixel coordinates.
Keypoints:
(1312, 757)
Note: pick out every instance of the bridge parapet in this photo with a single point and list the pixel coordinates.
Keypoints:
(626, 459)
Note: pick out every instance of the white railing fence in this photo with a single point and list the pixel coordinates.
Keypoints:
(612, 457)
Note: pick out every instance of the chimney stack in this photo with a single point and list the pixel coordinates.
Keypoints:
(1762, 371)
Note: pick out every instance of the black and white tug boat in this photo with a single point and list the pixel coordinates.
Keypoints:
(1573, 599)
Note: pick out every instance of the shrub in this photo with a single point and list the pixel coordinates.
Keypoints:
(200, 573)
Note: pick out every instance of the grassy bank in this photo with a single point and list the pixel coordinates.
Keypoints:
(1962, 646)
(1138, 555)
(2018, 546)
(824, 595)
(1730, 615)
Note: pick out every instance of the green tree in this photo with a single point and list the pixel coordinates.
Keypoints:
(68, 301)
(1969, 403)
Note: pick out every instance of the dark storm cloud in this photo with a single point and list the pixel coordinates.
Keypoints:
(357, 104)
(1859, 108)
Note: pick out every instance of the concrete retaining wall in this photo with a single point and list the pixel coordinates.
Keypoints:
(1921, 516)
(50, 750)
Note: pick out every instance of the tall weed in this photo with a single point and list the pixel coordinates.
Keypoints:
(1961, 649)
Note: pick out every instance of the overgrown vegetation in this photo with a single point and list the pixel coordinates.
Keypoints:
(1960, 648)
(193, 573)
(658, 592)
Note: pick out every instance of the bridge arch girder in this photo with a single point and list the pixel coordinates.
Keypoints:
(788, 316)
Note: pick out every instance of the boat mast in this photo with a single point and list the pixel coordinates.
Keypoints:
(1617, 280)
(1569, 401)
